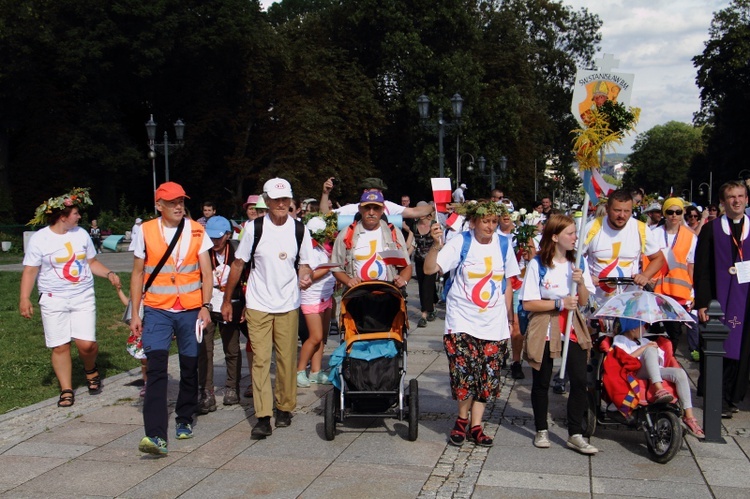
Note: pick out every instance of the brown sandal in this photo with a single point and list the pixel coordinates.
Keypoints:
(95, 383)
(67, 398)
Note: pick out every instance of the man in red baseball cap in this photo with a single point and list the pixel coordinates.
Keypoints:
(176, 299)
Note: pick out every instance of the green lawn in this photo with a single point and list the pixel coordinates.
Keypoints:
(26, 375)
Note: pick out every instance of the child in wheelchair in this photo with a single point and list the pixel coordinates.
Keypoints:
(653, 369)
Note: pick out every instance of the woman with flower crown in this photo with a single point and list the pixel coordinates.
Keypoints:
(477, 311)
(61, 258)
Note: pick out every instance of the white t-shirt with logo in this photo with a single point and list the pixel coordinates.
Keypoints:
(63, 260)
(322, 289)
(273, 285)
(555, 284)
(616, 253)
(368, 265)
(476, 304)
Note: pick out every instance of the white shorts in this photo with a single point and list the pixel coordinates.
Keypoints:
(68, 318)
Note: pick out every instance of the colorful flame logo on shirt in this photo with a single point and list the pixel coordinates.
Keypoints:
(372, 265)
(486, 285)
(72, 264)
(614, 268)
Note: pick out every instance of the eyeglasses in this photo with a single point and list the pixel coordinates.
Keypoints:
(695, 215)
(712, 209)
(673, 212)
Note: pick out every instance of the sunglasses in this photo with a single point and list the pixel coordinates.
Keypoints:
(692, 216)
(673, 212)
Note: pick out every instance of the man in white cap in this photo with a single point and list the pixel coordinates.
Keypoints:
(459, 195)
(655, 217)
(272, 299)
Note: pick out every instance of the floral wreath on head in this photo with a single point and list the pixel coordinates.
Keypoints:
(479, 209)
(329, 234)
(78, 197)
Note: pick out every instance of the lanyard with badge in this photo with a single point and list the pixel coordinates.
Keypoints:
(740, 269)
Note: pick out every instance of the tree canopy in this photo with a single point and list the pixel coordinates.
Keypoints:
(663, 156)
(724, 82)
(308, 90)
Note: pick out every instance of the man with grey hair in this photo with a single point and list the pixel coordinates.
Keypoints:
(279, 254)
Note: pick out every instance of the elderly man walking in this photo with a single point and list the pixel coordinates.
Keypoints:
(359, 247)
(171, 258)
(279, 250)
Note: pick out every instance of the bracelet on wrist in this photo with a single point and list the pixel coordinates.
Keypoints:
(558, 303)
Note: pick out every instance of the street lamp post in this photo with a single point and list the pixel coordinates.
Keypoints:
(469, 168)
(179, 130)
(423, 105)
(503, 166)
(701, 191)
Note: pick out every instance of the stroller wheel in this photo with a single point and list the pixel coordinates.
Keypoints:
(413, 410)
(330, 416)
(665, 439)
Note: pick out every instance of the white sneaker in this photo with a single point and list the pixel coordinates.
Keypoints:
(541, 440)
(576, 442)
(302, 381)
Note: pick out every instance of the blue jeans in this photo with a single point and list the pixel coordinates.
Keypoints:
(158, 328)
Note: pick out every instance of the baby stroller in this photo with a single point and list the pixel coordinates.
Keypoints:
(616, 398)
(369, 382)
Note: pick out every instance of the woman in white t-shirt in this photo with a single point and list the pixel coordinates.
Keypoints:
(61, 258)
(546, 293)
(316, 304)
(477, 313)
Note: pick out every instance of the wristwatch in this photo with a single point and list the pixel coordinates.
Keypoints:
(208, 306)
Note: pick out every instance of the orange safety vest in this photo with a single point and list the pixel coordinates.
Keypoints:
(172, 282)
(675, 281)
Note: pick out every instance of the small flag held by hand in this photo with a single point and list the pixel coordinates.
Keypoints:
(394, 257)
(441, 193)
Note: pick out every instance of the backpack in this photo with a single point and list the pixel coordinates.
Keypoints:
(464, 250)
(349, 237)
(523, 314)
(299, 233)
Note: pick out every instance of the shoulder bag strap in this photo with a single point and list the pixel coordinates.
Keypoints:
(164, 257)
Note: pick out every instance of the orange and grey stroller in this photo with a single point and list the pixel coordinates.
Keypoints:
(370, 380)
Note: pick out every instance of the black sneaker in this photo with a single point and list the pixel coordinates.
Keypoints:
(726, 410)
(516, 372)
(558, 388)
(262, 428)
(283, 418)
(431, 316)
(422, 322)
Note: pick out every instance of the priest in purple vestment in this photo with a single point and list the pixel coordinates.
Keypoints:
(721, 257)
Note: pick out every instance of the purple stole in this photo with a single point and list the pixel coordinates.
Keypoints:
(731, 294)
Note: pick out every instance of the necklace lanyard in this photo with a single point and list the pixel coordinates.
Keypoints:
(176, 249)
(216, 264)
(674, 241)
(737, 245)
